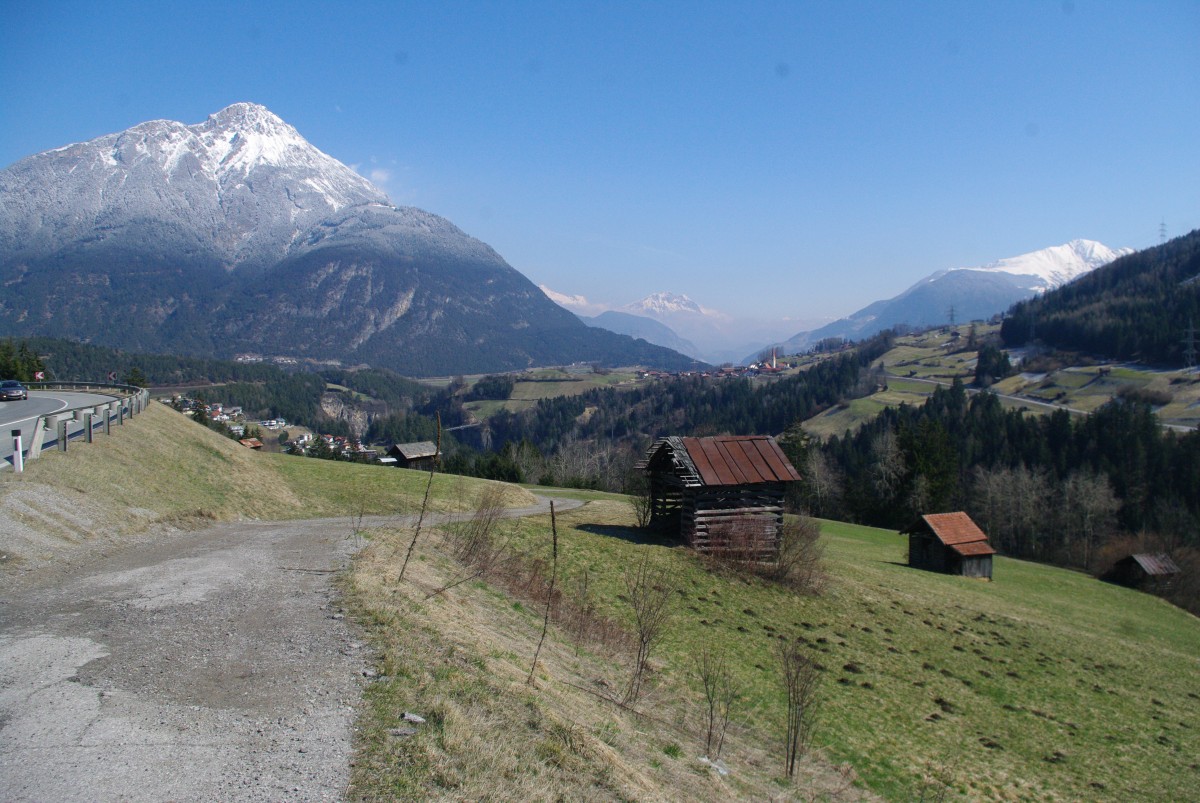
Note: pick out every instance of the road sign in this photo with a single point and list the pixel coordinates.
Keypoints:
(112, 376)
(38, 376)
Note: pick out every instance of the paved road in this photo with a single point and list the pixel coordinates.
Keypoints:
(1026, 401)
(211, 665)
(22, 415)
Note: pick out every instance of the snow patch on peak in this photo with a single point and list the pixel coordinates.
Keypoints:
(664, 303)
(575, 303)
(1055, 266)
(243, 136)
(249, 117)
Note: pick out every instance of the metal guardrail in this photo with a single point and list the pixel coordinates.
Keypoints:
(55, 430)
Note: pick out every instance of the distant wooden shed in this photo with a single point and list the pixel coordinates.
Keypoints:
(721, 494)
(951, 543)
(1152, 572)
(422, 455)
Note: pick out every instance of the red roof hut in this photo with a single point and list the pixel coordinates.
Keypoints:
(950, 543)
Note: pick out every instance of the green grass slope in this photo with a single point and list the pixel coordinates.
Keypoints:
(1044, 684)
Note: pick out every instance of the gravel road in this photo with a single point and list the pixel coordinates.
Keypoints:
(209, 665)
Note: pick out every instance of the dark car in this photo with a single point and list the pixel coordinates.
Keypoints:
(12, 390)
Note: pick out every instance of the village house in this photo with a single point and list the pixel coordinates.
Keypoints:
(422, 455)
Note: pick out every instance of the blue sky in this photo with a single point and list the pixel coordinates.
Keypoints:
(796, 159)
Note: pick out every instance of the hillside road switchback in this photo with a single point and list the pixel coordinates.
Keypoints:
(206, 665)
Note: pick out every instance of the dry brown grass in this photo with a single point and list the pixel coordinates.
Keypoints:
(162, 470)
(460, 659)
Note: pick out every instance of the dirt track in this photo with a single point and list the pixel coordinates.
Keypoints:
(200, 666)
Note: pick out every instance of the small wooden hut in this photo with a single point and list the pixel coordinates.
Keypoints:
(722, 494)
(421, 455)
(1153, 572)
(951, 543)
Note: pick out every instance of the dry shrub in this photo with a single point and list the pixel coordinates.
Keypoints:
(742, 547)
(801, 556)
(637, 487)
(473, 541)
(571, 602)
(1153, 395)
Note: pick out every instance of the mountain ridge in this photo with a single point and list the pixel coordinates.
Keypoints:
(973, 293)
(236, 234)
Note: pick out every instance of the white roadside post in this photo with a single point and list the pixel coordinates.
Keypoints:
(18, 459)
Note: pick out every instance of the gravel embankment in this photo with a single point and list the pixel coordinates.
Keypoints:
(210, 665)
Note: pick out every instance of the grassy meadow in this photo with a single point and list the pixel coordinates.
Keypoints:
(918, 361)
(1042, 685)
(549, 383)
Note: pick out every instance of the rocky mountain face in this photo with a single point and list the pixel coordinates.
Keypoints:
(237, 235)
(973, 293)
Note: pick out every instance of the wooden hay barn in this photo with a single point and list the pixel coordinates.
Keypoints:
(422, 455)
(951, 543)
(722, 494)
(1153, 572)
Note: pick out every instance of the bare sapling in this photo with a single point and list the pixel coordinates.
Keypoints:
(476, 545)
(582, 607)
(549, 592)
(648, 592)
(720, 693)
(800, 680)
(474, 538)
(356, 517)
(424, 502)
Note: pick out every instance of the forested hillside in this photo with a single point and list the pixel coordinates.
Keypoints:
(1052, 488)
(1140, 307)
(592, 439)
(264, 390)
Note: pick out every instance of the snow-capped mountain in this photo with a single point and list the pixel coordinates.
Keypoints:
(577, 304)
(972, 293)
(719, 337)
(236, 234)
(243, 183)
(622, 323)
(1052, 267)
(671, 305)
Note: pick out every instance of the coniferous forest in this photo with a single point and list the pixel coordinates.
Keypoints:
(1140, 307)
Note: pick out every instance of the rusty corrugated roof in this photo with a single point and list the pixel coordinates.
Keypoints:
(1158, 563)
(957, 531)
(739, 460)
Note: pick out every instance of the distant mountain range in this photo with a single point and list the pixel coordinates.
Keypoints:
(675, 321)
(647, 329)
(236, 235)
(974, 293)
